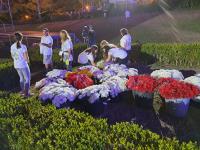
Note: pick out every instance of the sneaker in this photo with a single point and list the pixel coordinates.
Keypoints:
(22, 93)
(29, 95)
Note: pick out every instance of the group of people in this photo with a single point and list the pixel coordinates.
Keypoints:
(111, 54)
(88, 34)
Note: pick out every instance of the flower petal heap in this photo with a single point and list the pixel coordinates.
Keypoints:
(116, 70)
(56, 73)
(162, 73)
(178, 90)
(79, 81)
(194, 80)
(58, 92)
(142, 83)
(110, 88)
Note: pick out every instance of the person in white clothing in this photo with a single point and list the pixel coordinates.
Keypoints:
(126, 41)
(21, 59)
(115, 55)
(46, 49)
(91, 54)
(66, 52)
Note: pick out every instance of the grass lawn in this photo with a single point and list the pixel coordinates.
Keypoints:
(183, 27)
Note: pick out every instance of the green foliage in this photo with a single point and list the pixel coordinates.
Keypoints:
(182, 55)
(26, 124)
(8, 76)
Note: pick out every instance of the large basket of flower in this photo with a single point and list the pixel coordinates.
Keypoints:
(177, 95)
(194, 80)
(143, 87)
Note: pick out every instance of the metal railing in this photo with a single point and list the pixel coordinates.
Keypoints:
(6, 38)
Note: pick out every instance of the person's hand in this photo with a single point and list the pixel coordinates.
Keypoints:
(35, 44)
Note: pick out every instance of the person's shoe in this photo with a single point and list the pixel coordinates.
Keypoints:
(22, 93)
(28, 95)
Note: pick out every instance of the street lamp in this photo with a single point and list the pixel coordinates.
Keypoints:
(10, 13)
(38, 10)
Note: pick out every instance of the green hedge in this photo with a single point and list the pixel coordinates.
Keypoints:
(182, 55)
(8, 76)
(26, 124)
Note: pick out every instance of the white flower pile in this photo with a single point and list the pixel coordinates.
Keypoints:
(46, 81)
(110, 88)
(116, 70)
(56, 73)
(162, 73)
(55, 89)
(91, 68)
(58, 93)
(194, 80)
(113, 82)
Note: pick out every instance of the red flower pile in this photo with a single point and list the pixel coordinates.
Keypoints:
(173, 89)
(142, 84)
(163, 81)
(79, 81)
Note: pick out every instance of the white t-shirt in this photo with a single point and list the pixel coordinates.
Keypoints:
(66, 46)
(117, 53)
(126, 42)
(90, 57)
(18, 56)
(44, 49)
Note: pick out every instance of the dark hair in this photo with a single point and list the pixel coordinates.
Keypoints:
(94, 46)
(46, 29)
(90, 50)
(106, 48)
(124, 31)
(18, 38)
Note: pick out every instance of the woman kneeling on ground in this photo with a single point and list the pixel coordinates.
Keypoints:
(90, 54)
(21, 59)
(115, 55)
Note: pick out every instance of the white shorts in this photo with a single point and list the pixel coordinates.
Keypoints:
(47, 59)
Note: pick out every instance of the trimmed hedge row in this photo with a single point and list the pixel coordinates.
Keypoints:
(8, 76)
(183, 55)
(26, 124)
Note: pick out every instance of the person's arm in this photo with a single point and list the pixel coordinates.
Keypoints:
(47, 45)
(26, 56)
(109, 58)
(12, 55)
(91, 59)
(93, 63)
